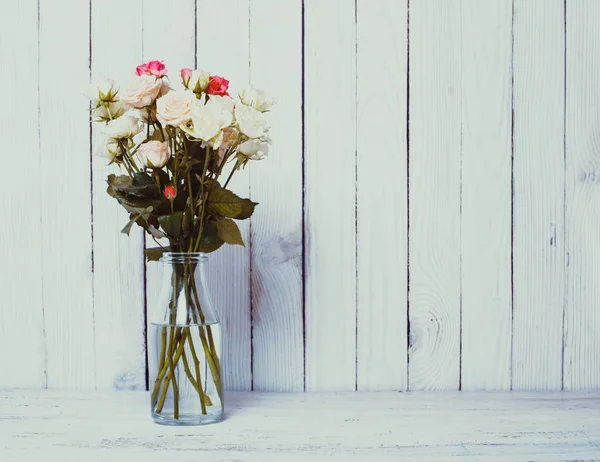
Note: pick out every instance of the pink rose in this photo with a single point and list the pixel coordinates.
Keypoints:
(155, 68)
(185, 75)
(217, 86)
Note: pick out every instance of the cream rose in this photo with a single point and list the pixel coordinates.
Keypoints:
(258, 99)
(106, 112)
(154, 154)
(251, 122)
(142, 92)
(254, 149)
(175, 108)
(198, 81)
(108, 150)
(208, 121)
(101, 92)
(124, 127)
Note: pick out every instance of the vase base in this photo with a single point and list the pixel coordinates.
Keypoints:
(187, 420)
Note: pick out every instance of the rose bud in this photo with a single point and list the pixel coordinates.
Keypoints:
(185, 76)
(170, 192)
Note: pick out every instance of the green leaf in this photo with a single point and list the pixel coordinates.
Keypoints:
(154, 253)
(210, 240)
(135, 217)
(224, 203)
(171, 224)
(229, 232)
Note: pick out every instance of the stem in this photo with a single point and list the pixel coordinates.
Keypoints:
(197, 367)
(163, 347)
(173, 378)
(237, 163)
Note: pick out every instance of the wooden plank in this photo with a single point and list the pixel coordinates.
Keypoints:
(66, 196)
(582, 316)
(486, 194)
(538, 207)
(434, 195)
(330, 225)
(276, 183)
(168, 35)
(382, 194)
(22, 327)
(448, 426)
(224, 49)
(116, 41)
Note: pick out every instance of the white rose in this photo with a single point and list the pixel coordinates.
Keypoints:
(142, 92)
(108, 111)
(258, 99)
(102, 92)
(175, 108)
(198, 81)
(208, 121)
(109, 150)
(124, 127)
(225, 102)
(254, 149)
(250, 121)
(154, 154)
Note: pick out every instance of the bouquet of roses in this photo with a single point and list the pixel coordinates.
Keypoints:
(172, 146)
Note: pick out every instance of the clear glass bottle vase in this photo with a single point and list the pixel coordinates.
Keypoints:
(185, 346)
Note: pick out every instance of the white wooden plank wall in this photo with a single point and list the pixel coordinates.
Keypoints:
(428, 213)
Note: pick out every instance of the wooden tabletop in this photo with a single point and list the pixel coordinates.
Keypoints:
(265, 427)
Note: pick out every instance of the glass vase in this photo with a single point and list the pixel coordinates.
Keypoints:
(185, 346)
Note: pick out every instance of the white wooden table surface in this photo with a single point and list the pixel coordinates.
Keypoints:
(261, 427)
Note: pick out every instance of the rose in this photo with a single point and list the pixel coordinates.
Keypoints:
(109, 150)
(101, 92)
(208, 121)
(124, 127)
(170, 192)
(185, 76)
(198, 81)
(256, 98)
(154, 154)
(142, 92)
(155, 68)
(251, 122)
(217, 86)
(230, 138)
(226, 102)
(254, 149)
(106, 112)
(175, 107)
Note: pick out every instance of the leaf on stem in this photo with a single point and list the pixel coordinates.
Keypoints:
(210, 240)
(228, 231)
(171, 224)
(154, 253)
(224, 203)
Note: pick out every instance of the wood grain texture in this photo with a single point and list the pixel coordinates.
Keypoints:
(224, 49)
(116, 42)
(66, 196)
(486, 194)
(582, 316)
(24, 362)
(329, 172)
(276, 183)
(382, 195)
(272, 427)
(434, 195)
(168, 35)
(538, 207)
